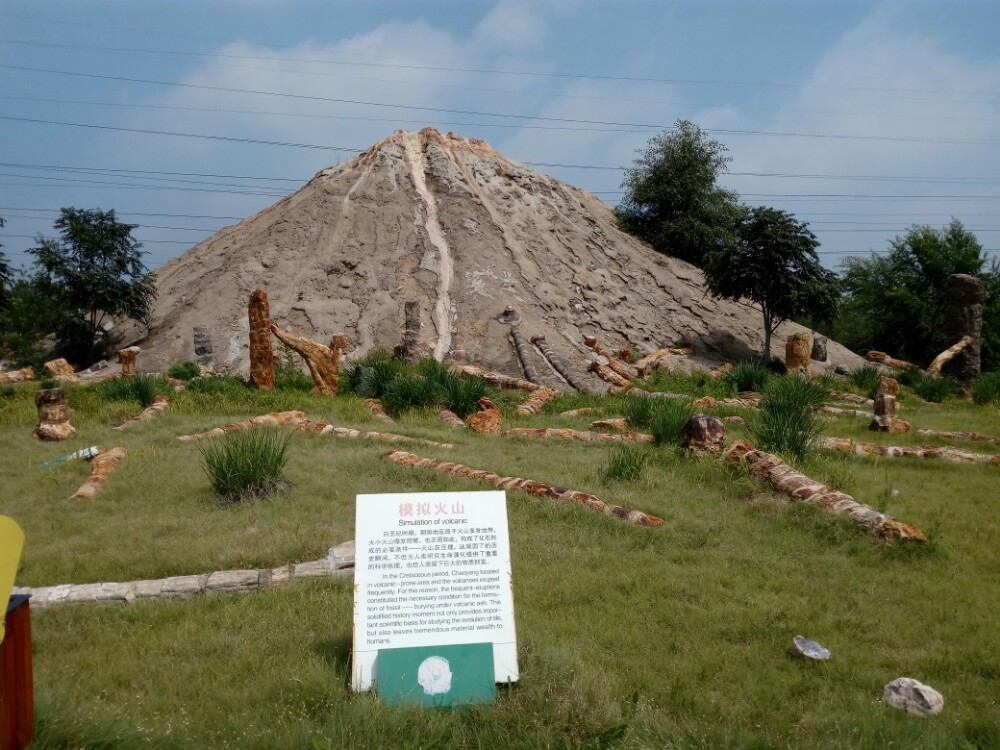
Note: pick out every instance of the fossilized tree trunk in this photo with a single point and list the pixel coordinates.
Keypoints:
(963, 316)
(720, 371)
(261, 354)
(608, 375)
(785, 479)
(615, 424)
(578, 412)
(585, 436)
(60, 369)
(650, 359)
(934, 368)
(947, 453)
(852, 398)
(535, 401)
(323, 361)
(411, 331)
(884, 359)
(798, 354)
(102, 466)
(378, 411)
(974, 436)
(272, 419)
(451, 418)
(322, 428)
(704, 434)
(160, 402)
(17, 376)
(488, 420)
(53, 415)
(127, 359)
(620, 368)
(529, 486)
(885, 408)
(498, 378)
(203, 349)
(522, 355)
(557, 364)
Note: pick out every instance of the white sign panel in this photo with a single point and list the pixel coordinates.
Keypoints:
(432, 569)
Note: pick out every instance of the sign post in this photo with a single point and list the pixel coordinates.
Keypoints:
(433, 570)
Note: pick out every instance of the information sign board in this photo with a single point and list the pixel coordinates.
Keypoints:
(432, 569)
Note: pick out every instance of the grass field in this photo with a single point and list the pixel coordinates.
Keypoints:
(670, 637)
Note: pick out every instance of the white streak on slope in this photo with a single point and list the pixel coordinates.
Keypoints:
(412, 154)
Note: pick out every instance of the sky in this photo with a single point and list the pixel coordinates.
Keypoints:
(861, 119)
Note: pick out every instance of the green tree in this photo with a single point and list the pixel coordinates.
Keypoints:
(895, 302)
(672, 200)
(96, 272)
(774, 265)
(5, 277)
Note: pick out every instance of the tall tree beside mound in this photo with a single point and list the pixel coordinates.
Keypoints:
(672, 199)
(774, 265)
(4, 275)
(895, 302)
(95, 273)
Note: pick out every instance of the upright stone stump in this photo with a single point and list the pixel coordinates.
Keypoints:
(819, 350)
(53, 415)
(17, 698)
(885, 408)
(127, 358)
(411, 331)
(798, 354)
(704, 434)
(963, 316)
(203, 350)
(261, 354)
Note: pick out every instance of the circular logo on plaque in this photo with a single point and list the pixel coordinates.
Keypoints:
(434, 675)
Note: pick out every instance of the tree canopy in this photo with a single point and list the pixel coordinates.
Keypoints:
(773, 264)
(95, 272)
(672, 199)
(5, 277)
(895, 302)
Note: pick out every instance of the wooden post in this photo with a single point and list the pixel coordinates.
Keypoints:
(17, 697)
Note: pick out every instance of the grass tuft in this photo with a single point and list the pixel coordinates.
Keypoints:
(407, 392)
(668, 419)
(142, 388)
(184, 371)
(987, 390)
(865, 379)
(748, 376)
(246, 465)
(786, 422)
(935, 389)
(625, 463)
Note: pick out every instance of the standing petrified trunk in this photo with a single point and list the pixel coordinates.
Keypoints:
(819, 350)
(127, 359)
(885, 408)
(261, 354)
(963, 316)
(557, 364)
(323, 361)
(798, 354)
(203, 350)
(411, 331)
(53, 416)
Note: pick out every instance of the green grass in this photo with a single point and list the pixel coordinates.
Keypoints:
(247, 464)
(625, 463)
(786, 422)
(987, 389)
(628, 637)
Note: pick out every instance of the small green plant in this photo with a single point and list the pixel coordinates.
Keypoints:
(987, 390)
(786, 422)
(141, 388)
(625, 463)
(930, 388)
(288, 376)
(247, 464)
(748, 376)
(184, 371)
(48, 382)
(668, 419)
(407, 392)
(461, 394)
(371, 376)
(865, 379)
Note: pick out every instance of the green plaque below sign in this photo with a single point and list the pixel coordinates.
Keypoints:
(453, 675)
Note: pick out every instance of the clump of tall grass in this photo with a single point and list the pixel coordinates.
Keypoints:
(407, 392)
(247, 464)
(931, 388)
(461, 394)
(219, 385)
(748, 376)
(638, 412)
(625, 463)
(184, 371)
(865, 379)
(663, 417)
(371, 376)
(141, 388)
(786, 422)
(288, 375)
(987, 390)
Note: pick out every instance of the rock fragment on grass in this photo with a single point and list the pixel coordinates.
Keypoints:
(914, 697)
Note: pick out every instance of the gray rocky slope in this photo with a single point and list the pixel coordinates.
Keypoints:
(450, 223)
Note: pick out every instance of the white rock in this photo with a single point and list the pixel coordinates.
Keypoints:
(914, 697)
(809, 648)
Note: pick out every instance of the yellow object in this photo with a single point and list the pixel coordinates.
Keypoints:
(11, 544)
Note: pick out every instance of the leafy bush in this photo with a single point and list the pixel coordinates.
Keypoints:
(409, 392)
(461, 394)
(930, 388)
(748, 376)
(668, 419)
(987, 390)
(371, 376)
(786, 422)
(184, 371)
(141, 388)
(625, 463)
(247, 464)
(865, 379)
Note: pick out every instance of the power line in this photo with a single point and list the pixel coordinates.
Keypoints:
(130, 213)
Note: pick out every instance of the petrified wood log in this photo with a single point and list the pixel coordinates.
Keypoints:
(577, 412)
(322, 428)
(704, 434)
(274, 418)
(261, 354)
(963, 316)
(947, 453)
(378, 411)
(649, 360)
(746, 402)
(705, 402)
(613, 362)
(53, 415)
(535, 401)
(323, 361)
(411, 331)
(529, 486)
(488, 420)
(934, 368)
(498, 378)
(160, 402)
(626, 356)
(522, 355)
(882, 358)
(608, 375)
(837, 411)
(102, 466)
(127, 359)
(557, 364)
(617, 424)
(852, 398)
(785, 479)
(720, 371)
(974, 436)
(798, 354)
(545, 433)
(451, 418)
(61, 370)
(17, 376)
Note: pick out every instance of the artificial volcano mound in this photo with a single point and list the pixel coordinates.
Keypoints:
(449, 223)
